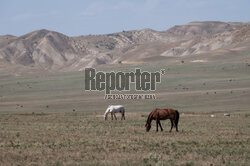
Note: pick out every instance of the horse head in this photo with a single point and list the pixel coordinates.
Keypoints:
(106, 113)
(148, 127)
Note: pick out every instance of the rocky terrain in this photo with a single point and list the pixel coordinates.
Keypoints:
(49, 50)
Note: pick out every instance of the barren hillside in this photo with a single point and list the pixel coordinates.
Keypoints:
(49, 50)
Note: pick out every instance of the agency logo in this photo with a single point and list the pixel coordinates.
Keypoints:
(121, 82)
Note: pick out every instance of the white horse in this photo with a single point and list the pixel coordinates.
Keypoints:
(114, 109)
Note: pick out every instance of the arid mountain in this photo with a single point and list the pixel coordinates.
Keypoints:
(49, 50)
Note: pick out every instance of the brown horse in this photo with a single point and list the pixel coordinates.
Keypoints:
(163, 114)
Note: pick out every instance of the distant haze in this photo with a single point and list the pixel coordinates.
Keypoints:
(78, 17)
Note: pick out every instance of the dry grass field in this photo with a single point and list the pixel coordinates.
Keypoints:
(86, 139)
(48, 118)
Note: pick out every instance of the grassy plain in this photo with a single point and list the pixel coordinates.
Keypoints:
(48, 118)
(86, 139)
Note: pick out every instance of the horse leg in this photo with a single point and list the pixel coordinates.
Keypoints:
(112, 116)
(122, 116)
(160, 126)
(171, 125)
(157, 125)
(115, 116)
(176, 126)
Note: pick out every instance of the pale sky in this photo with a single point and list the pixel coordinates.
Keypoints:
(83, 17)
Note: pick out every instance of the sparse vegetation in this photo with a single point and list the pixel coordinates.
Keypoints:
(86, 139)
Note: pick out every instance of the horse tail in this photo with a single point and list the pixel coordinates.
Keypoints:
(177, 117)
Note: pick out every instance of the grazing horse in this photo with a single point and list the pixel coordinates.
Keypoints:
(114, 109)
(163, 114)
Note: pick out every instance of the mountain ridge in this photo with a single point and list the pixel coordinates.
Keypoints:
(50, 50)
